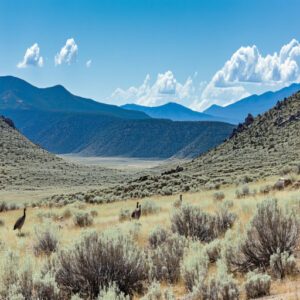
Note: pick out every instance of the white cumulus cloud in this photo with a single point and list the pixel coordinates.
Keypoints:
(67, 53)
(248, 72)
(165, 89)
(32, 57)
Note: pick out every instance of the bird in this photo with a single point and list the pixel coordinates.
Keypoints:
(178, 202)
(20, 222)
(136, 214)
(133, 213)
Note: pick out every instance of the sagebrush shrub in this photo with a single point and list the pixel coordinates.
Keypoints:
(15, 281)
(191, 221)
(25, 279)
(46, 240)
(14, 293)
(257, 285)
(221, 286)
(150, 207)
(124, 215)
(3, 206)
(157, 236)
(46, 288)
(271, 230)
(2, 223)
(218, 196)
(99, 259)
(165, 259)
(83, 219)
(245, 191)
(155, 292)
(194, 267)
(224, 218)
(8, 273)
(282, 264)
(213, 250)
(112, 293)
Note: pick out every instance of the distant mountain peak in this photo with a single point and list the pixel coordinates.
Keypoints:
(254, 104)
(173, 111)
(18, 94)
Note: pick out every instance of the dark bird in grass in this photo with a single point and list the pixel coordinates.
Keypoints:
(20, 222)
(136, 214)
(133, 213)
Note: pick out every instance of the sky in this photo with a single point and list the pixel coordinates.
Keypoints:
(150, 52)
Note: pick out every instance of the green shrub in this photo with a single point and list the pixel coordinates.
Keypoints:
(191, 221)
(213, 250)
(112, 293)
(194, 267)
(124, 215)
(282, 264)
(83, 219)
(46, 240)
(165, 259)
(257, 285)
(156, 293)
(150, 207)
(218, 196)
(46, 288)
(99, 259)
(157, 236)
(272, 230)
(221, 286)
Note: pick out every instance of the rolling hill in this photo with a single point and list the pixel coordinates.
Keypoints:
(173, 111)
(255, 104)
(270, 145)
(63, 123)
(90, 135)
(25, 165)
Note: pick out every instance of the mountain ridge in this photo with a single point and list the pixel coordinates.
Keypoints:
(173, 111)
(16, 93)
(63, 123)
(265, 146)
(254, 104)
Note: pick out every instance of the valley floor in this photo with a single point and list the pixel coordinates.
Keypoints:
(120, 163)
(106, 216)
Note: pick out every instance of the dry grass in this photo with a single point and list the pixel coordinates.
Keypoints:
(108, 216)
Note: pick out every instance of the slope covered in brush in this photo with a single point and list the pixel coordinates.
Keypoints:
(24, 164)
(264, 146)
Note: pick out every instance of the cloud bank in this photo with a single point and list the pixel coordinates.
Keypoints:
(32, 57)
(67, 54)
(165, 88)
(245, 73)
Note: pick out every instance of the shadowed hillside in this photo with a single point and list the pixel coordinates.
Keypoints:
(24, 164)
(268, 146)
(17, 94)
(63, 123)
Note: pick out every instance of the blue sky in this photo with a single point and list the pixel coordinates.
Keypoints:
(153, 51)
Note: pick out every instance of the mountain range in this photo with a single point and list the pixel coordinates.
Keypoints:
(256, 104)
(268, 144)
(173, 111)
(234, 113)
(63, 123)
